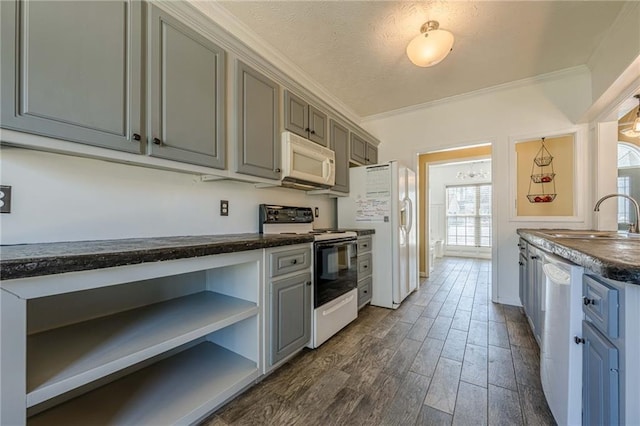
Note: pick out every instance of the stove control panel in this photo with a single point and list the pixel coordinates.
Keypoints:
(268, 213)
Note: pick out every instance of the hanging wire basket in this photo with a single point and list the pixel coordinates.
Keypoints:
(543, 161)
(541, 198)
(542, 177)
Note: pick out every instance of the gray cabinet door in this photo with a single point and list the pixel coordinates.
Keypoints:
(186, 93)
(258, 140)
(304, 119)
(339, 143)
(318, 126)
(296, 114)
(372, 154)
(72, 70)
(290, 315)
(358, 149)
(600, 379)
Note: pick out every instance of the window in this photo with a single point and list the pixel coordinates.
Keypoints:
(469, 215)
(628, 182)
(623, 204)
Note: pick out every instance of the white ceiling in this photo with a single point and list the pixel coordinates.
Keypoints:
(356, 49)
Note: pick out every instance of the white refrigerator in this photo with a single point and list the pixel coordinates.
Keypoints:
(383, 197)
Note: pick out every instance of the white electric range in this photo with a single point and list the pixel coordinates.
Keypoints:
(335, 274)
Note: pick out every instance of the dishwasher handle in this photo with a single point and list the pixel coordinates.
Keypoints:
(556, 275)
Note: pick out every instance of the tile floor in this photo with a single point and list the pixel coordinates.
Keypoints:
(447, 356)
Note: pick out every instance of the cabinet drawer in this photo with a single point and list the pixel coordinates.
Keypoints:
(364, 291)
(364, 244)
(600, 305)
(364, 266)
(285, 262)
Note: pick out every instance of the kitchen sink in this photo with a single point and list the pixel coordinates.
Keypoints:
(612, 235)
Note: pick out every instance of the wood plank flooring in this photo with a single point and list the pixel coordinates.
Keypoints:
(447, 356)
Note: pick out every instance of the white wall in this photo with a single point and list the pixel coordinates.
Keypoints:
(63, 198)
(527, 109)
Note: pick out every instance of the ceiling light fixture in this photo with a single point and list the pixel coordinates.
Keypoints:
(431, 46)
(634, 130)
(472, 174)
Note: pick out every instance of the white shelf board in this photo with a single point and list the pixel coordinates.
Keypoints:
(178, 390)
(65, 358)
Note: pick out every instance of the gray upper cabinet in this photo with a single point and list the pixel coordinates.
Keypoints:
(258, 140)
(339, 143)
(72, 70)
(363, 152)
(186, 96)
(304, 119)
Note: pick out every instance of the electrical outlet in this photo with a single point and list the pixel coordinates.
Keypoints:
(224, 208)
(317, 212)
(5, 199)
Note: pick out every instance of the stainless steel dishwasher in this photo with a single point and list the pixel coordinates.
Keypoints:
(560, 355)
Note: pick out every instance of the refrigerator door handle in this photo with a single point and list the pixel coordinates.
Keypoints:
(409, 225)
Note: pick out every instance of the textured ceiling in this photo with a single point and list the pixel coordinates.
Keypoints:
(356, 49)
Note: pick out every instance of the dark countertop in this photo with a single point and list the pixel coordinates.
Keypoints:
(31, 260)
(616, 259)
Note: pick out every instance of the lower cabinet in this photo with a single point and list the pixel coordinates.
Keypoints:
(600, 380)
(535, 287)
(290, 302)
(365, 277)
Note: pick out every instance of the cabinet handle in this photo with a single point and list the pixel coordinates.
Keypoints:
(579, 340)
(365, 292)
(294, 261)
(366, 266)
(276, 170)
(157, 141)
(521, 263)
(307, 129)
(588, 301)
(136, 137)
(309, 283)
(533, 257)
(313, 132)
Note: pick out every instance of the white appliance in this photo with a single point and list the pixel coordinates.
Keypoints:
(305, 164)
(335, 294)
(383, 198)
(560, 355)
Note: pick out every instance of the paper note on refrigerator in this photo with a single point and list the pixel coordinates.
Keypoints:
(376, 206)
(372, 210)
(378, 184)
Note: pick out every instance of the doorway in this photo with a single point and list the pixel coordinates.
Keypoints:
(455, 208)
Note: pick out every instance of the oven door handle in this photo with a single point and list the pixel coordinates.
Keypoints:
(329, 244)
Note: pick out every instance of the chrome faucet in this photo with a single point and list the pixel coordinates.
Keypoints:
(633, 227)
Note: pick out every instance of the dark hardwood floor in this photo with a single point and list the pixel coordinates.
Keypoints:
(447, 356)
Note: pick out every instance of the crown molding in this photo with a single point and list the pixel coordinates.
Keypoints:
(554, 75)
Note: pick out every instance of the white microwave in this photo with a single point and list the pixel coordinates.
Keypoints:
(305, 164)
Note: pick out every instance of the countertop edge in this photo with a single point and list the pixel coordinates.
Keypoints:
(29, 267)
(592, 263)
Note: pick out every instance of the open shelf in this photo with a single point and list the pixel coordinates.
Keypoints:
(65, 358)
(180, 389)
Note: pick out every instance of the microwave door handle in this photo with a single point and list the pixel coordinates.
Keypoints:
(325, 170)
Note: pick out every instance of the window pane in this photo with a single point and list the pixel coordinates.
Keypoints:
(469, 215)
